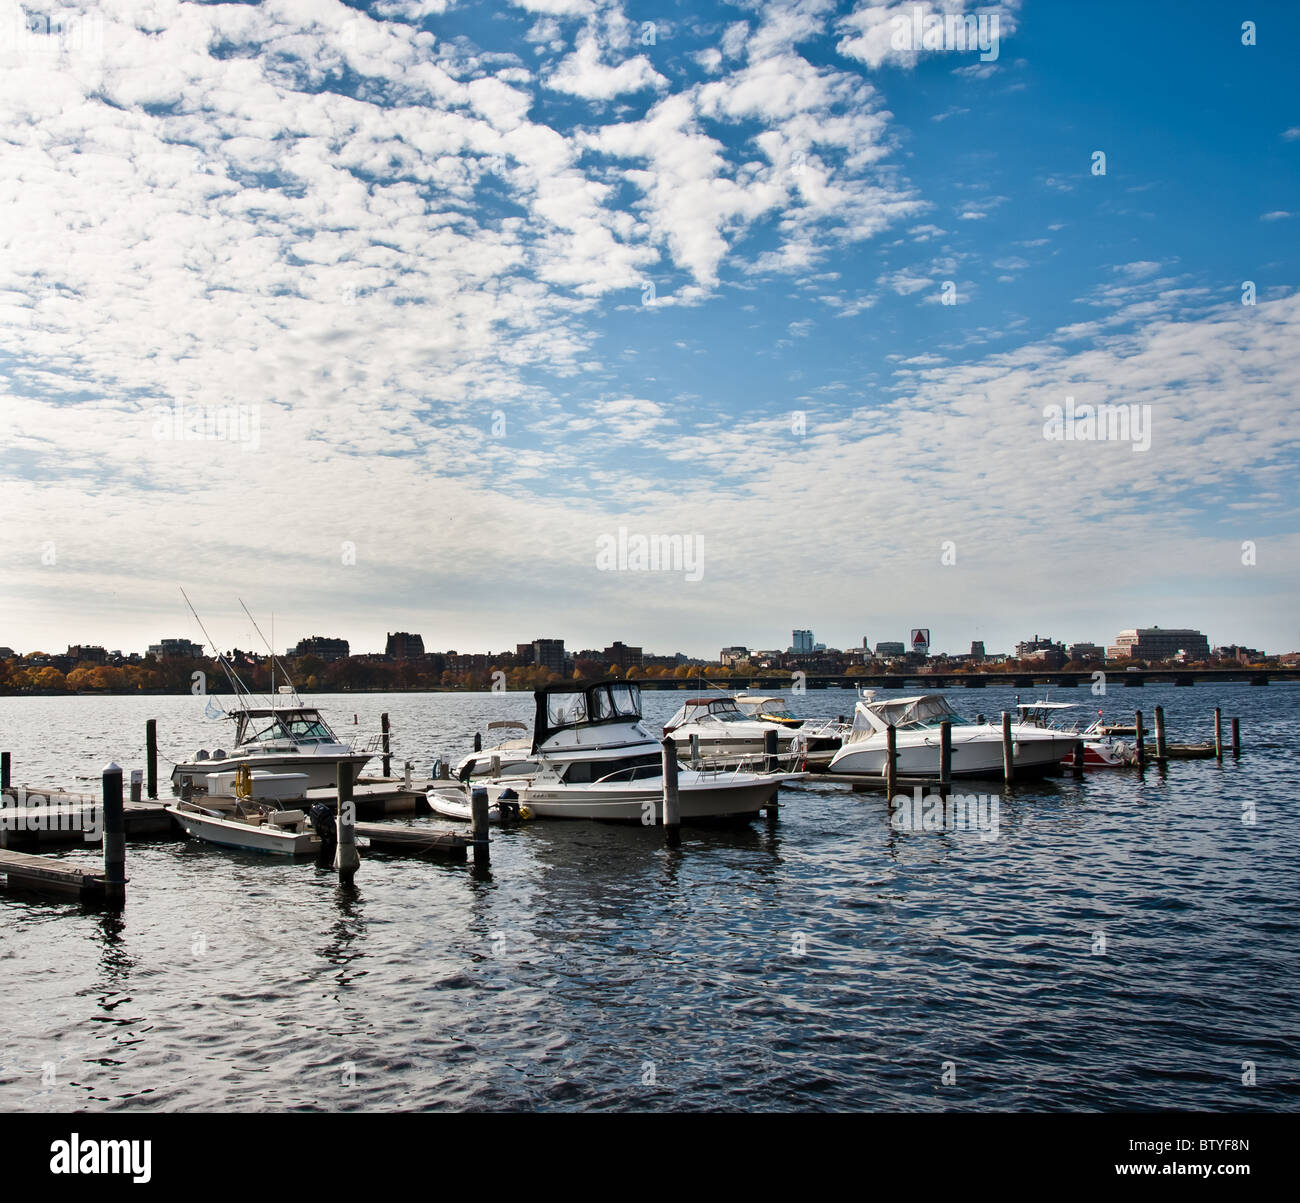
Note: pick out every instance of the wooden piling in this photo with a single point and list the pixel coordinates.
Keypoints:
(1160, 734)
(769, 752)
(407, 770)
(1140, 738)
(478, 741)
(137, 785)
(1077, 767)
(1008, 750)
(151, 754)
(114, 821)
(346, 858)
(945, 756)
(695, 749)
(388, 760)
(1218, 733)
(1236, 737)
(4, 770)
(891, 760)
(478, 809)
(671, 801)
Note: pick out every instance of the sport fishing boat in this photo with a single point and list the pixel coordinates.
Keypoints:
(594, 758)
(1100, 749)
(724, 733)
(976, 747)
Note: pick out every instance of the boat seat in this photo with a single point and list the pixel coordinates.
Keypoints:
(286, 818)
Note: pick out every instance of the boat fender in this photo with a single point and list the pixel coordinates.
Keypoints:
(322, 821)
(525, 812)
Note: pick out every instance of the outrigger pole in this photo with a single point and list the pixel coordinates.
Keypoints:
(240, 689)
(275, 660)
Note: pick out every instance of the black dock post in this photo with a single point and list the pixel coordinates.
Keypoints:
(1160, 734)
(769, 751)
(1077, 767)
(151, 752)
(388, 759)
(114, 837)
(478, 809)
(671, 800)
(1218, 733)
(945, 757)
(1236, 737)
(1008, 750)
(1140, 737)
(891, 760)
(4, 770)
(346, 858)
(478, 741)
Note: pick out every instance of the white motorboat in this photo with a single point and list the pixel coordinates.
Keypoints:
(1100, 749)
(976, 747)
(594, 758)
(248, 824)
(451, 803)
(719, 732)
(815, 740)
(288, 738)
(509, 754)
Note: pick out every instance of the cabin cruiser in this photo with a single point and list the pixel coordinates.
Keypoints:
(593, 757)
(1100, 749)
(290, 738)
(719, 731)
(976, 747)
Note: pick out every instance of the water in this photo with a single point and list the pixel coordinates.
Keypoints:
(830, 963)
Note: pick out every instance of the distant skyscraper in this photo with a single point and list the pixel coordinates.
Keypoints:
(803, 642)
(403, 646)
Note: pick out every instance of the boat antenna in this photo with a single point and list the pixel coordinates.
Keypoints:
(232, 676)
(275, 660)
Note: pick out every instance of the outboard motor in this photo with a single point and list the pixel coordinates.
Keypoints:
(322, 821)
(508, 806)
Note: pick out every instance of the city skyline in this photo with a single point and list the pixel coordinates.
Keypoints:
(581, 315)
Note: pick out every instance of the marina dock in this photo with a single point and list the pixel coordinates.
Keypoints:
(45, 875)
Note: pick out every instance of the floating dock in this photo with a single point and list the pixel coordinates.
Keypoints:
(44, 875)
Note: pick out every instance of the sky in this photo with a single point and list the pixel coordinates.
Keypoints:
(436, 316)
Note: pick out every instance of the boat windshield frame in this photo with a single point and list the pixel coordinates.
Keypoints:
(295, 725)
(573, 705)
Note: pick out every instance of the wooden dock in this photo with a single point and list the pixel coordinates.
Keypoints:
(37, 816)
(44, 875)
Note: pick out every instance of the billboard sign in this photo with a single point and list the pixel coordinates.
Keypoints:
(921, 640)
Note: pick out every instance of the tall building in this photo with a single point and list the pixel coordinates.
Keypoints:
(733, 655)
(803, 643)
(1152, 643)
(322, 647)
(403, 646)
(977, 649)
(623, 656)
(176, 647)
(887, 648)
(80, 654)
(549, 654)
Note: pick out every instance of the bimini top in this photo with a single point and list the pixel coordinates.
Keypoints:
(719, 709)
(925, 710)
(569, 704)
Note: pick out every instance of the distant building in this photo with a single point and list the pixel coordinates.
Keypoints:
(7, 653)
(322, 648)
(733, 655)
(1242, 655)
(80, 654)
(181, 648)
(803, 643)
(1153, 643)
(549, 654)
(977, 650)
(623, 656)
(404, 646)
(886, 648)
(1086, 652)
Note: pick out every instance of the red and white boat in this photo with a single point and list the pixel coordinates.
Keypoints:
(1100, 749)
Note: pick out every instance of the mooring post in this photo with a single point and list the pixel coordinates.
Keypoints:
(114, 837)
(1008, 750)
(1140, 739)
(1160, 733)
(945, 756)
(137, 784)
(406, 776)
(1077, 767)
(769, 751)
(478, 810)
(444, 771)
(388, 760)
(346, 858)
(671, 802)
(1236, 737)
(478, 741)
(151, 755)
(695, 750)
(979, 718)
(1218, 733)
(496, 765)
(4, 770)
(891, 760)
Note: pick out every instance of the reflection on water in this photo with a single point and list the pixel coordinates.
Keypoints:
(1125, 942)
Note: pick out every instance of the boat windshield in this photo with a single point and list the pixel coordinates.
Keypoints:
(300, 727)
(595, 704)
(928, 711)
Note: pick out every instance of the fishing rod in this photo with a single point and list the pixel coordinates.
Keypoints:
(275, 660)
(232, 676)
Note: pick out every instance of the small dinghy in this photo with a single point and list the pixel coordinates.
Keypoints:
(456, 806)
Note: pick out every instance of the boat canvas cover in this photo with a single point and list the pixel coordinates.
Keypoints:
(869, 717)
(564, 706)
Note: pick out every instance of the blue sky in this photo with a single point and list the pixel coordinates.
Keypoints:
(467, 289)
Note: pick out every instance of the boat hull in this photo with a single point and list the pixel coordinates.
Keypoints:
(321, 771)
(977, 757)
(642, 802)
(229, 833)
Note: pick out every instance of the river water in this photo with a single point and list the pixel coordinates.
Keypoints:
(1125, 942)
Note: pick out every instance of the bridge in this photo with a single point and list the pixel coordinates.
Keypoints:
(926, 682)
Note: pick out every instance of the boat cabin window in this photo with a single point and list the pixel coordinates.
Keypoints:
(566, 709)
(267, 729)
(310, 727)
(628, 768)
(627, 700)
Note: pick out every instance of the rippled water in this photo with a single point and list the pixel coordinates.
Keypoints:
(829, 963)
